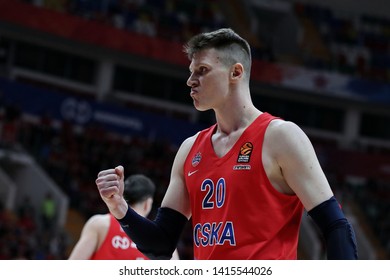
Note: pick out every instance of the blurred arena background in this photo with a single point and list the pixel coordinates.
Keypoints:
(88, 84)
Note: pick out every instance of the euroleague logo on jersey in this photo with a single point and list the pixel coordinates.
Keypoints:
(245, 153)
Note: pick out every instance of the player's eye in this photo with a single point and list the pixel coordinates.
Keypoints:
(202, 69)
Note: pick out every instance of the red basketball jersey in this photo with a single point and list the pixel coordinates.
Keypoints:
(236, 212)
(117, 245)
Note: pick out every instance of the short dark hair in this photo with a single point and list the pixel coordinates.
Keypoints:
(236, 48)
(138, 188)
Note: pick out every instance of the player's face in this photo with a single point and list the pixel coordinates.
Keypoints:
(209, 80)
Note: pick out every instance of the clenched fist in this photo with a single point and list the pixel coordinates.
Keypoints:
(110, 183)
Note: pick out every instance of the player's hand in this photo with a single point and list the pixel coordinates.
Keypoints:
(110, 183)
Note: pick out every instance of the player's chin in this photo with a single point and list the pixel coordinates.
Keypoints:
(199, 107)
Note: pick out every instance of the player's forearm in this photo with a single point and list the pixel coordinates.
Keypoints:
(157, 239)
(338, 232)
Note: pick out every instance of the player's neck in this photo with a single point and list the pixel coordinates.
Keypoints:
(236, 119)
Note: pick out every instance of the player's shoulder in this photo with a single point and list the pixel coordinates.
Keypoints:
(282, 135)
(191, 140)
(283, 128)
(188, 142)
(185, 148)
(98, 220)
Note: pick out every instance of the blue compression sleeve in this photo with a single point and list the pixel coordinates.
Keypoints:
(156, 239)
(338, 233)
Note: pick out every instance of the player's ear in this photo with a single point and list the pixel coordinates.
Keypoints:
(236, 72)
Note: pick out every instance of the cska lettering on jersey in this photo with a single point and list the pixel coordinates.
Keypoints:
(210, 234)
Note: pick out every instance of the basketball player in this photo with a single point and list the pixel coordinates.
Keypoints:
(244, 181)
(103, 238)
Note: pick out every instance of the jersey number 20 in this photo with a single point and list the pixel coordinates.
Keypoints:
(215, 193)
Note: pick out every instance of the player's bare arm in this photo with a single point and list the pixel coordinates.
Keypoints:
(90, 238)
(176, 196)
(292, 164)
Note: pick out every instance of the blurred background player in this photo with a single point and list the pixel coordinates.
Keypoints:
(102, 236)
